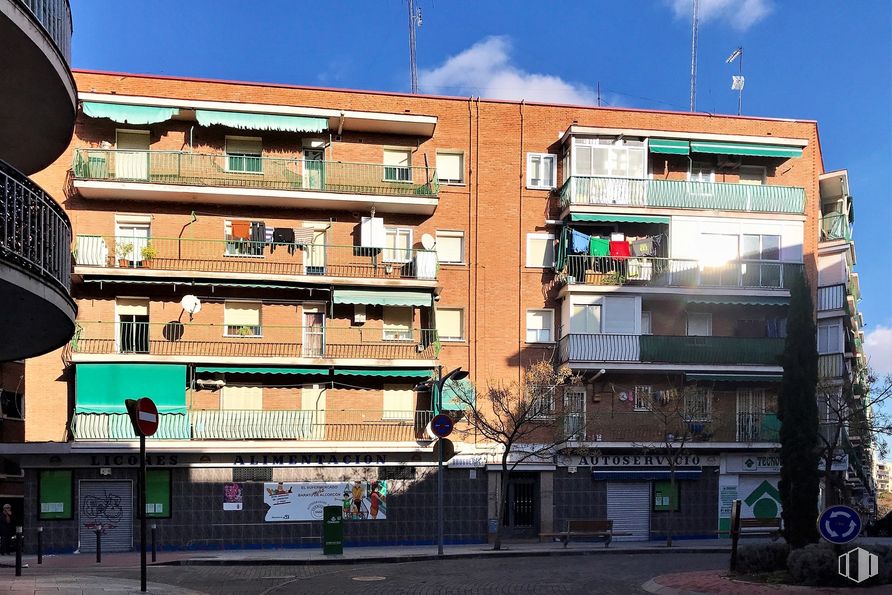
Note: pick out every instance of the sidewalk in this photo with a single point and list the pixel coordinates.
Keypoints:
(717, 581)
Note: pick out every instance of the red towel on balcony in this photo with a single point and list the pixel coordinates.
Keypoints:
(241, 230)
(620, 250)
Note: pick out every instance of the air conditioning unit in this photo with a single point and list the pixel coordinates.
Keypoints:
(209, 384)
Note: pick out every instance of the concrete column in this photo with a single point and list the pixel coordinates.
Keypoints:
(546, 502)
(492, 501)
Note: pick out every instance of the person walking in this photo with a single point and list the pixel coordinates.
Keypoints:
(7, 531)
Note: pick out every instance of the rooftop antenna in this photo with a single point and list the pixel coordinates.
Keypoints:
(694, 20)
(414, 23)
(737, 80)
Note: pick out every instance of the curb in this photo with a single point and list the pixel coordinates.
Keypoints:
(652, 586)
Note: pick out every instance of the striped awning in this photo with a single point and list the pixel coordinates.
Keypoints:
(382, 298)
(745, 149)
(739, 300)
(251, 121)
(734, 377)
(128, 114)
(669, 146)
(117, 426)
(259, 370)
(590, 217)
(385, 372)
(191, 282)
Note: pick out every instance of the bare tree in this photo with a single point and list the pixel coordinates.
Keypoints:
(849, 411)
(521, 417)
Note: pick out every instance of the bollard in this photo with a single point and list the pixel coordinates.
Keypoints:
(40, 545)
(154, 526)
(99, 544)
(18, 551)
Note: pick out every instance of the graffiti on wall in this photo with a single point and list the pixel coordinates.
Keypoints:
(104, 511)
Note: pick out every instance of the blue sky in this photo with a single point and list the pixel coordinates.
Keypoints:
(811, 59)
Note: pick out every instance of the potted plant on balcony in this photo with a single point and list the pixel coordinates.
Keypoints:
(148, 252)
(122, 252)
(245, 331)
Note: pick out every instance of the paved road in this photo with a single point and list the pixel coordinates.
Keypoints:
(610, 573)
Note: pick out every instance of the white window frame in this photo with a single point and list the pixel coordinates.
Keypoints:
(642, 398)
(700, 165)
(578, 395)
(823, 328)
(699, 399)
(229, 242)
(405, 178)
(630, 146)
(647, 328)
(544, 158)
(259, 327)
(397, 255)
(461, 313)
(258, 155)
(548, 237)
(687, 323)
(391, 331)
(398, 414)
(543, 401)
(452, 234)
(596, 311)
(549, 312)
(461, 167)
(241, 385)
(761, 169)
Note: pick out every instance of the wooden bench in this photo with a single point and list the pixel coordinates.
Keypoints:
(597, 528)
(756, 527)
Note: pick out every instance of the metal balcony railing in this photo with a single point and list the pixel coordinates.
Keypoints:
(831, 365)
(676, 194)
(832, 297)
(836, 226)
(729, 351)
(679, 272)
(55, 18)
(263, 173)
(675, 424)
(35, 233)
(359, 425)
(255, 258)
(218, 340)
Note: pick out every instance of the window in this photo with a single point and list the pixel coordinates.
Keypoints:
(131, 160)
(643, 398)
(620, 315)
(54, 489)
(752, 175)
(701, 172)
(11, 405)
(132, 234)
(242, 319)
(244, 238)
(158, 493)
(451, 167)
(396, 165)
(241, 398)
(585, 319)
(697, 406)
(574, 413)
(665, 497)
(540, 250)
(398, 323)
(540, 326)
(646, 322)
(397, 244)
(240, 474)
(243, 154)
(541, 170)
(610, 157)
(399, 401)
(829, 336)
(699, 324)
(133, 325)
(760, 247)
(541, 400)
(451, 324)
(450, 247)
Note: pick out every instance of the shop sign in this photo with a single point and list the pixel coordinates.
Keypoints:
(467, 462)
(621, 461)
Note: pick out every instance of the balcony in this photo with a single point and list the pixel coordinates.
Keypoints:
(645, 427)
(38, 91)
(241, 259)
(836, 226)
(338, 425)
(679, 272)
(192, 343)
(36, 310)
(670, 350)
(831, 297)
(263, 181)
(832, 366)
(585, 191)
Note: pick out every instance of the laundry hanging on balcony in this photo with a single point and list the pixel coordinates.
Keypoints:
(253, 121)
(128, 114)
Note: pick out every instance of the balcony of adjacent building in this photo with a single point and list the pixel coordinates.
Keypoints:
(638, 171)
(837, 208)
(38, 91)
(253, 404)
(36, 310)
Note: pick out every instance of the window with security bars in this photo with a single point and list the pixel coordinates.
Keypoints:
(574, 413)
(697, 405)
(240, 474)
(396, 165)
(385, 473)
(643, 398)
(542, 397)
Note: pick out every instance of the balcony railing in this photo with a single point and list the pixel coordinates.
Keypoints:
(212, 340)
(262, 173)
(656, 427)
(55, 17)
(831, 365)
(671, 349)
(35, 233)
(835, 226)
(672, 194)
(831, 297)
(254, 258)
(361, 425)
(679, 272)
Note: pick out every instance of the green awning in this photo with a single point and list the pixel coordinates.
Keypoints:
(618, 218)
(246, 121)
(735, 377)
(129, 114)
(745, 149)
(452, 391)
(259, 370)
(742, 300)
(385, 372)
(669, 146)
(102, 388)
(382, 297)
(190, 282)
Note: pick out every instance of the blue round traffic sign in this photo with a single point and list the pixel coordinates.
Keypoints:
(441, 425)
(839, 524)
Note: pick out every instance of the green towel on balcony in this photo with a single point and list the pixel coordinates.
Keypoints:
(598, 247)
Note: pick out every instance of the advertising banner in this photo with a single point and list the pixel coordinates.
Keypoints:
(305, 501)
(232, 496)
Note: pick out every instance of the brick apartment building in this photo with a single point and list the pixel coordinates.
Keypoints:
(279, 268)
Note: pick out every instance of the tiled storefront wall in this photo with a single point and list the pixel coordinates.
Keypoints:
(698, 511)
(578, 496)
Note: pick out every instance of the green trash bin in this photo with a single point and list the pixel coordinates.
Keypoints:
(332, 530)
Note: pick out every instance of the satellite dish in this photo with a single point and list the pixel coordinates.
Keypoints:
(428, 242)
(191, 304)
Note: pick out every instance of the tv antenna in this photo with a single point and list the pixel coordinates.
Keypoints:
(414, 23)
(695, 12)
(737, 80)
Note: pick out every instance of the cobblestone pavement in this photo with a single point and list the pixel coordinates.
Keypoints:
(717, 581)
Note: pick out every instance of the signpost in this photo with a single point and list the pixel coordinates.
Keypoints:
(332, 530)
(839, 524)
(144, 417)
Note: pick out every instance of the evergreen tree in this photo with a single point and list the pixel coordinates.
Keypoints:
(798, 413)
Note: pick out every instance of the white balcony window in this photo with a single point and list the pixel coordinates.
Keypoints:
(243, 154)
(451, 167)
(540, 250)
(242, 398)
(399, 402)
(397, 165)
(829, 336)
(398, 323)
(752, 175)
(609, 157)
(451, 324)
(541, 170)
(397, 244)
(450, 247)
(699, 324)
(242, 319)
(540, 326)
(585, 319)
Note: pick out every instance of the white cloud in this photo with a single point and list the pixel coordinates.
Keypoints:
(878, 345)
(740, 14)
(485, 69)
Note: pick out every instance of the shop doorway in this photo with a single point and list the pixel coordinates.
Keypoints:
(522, 515)
(109, 504)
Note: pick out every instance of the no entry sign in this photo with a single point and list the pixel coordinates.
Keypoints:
(143, 415)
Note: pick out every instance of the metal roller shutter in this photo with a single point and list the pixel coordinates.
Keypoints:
(628, 505)
(109, 503)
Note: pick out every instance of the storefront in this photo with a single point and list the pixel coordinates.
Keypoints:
(751, 478)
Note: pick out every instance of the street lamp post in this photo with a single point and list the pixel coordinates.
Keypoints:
(456, 374)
